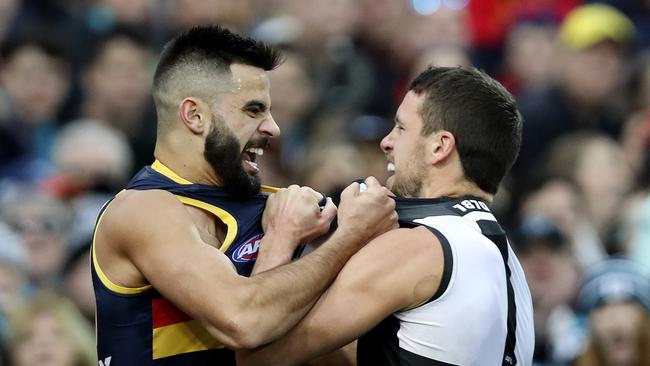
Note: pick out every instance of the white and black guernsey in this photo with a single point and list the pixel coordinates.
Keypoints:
(482, 312)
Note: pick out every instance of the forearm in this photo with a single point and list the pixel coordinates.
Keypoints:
(273, 252)
(310, 339)
(298, 284)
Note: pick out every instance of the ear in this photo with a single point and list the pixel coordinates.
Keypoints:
(442, 145)
(191, 113)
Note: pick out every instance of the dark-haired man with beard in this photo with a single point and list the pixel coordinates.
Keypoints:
(172, 252)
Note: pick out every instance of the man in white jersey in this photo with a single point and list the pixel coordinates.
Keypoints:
(445, 288)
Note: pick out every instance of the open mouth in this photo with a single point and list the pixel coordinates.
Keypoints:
(248, 159)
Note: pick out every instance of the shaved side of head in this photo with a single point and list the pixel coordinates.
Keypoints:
(197, 64)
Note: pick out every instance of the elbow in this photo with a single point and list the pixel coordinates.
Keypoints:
(238, 333)
(237, 324)
(247, 338)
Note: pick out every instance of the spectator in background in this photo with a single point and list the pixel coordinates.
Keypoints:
(424, 30)
(557, 199)
(635, 138)
(616, 296)
(35, 77)
(8, 11)
(104, 167)
(639, 13)
(117, 86)
(49, 331)
(553, 278)
(42, 223)
(593, 39)
(637, 90)
(77, 282)
(237, 14)
(366, 132)
(329, 168)
(326, 33)
(529, 55)
(440, 55)
(13, 278)
(294, 102)
(104, 15)
(635, 142)
(582, 158)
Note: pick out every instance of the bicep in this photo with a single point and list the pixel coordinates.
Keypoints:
(165, 246)
(396, 271)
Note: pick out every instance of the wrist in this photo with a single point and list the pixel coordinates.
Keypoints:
(347, 239)
(277, 241)
(275, 250)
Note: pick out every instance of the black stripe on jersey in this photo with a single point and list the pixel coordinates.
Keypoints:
(410, 209)
(493, 231)
(380, 346)
(407, 358)
(448, 264)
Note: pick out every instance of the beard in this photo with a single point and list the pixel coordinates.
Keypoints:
(409, 186)
(224, 154)
(408, 182)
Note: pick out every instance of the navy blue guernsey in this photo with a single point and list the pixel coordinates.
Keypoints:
(137, 326)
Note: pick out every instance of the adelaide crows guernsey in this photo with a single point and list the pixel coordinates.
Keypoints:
(137, 326)
(482, 312)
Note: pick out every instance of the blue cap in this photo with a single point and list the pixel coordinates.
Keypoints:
(614, 281)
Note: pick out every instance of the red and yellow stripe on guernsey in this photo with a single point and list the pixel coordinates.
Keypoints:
(174, 332)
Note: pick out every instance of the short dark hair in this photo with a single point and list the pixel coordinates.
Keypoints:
(214, 44)
(480, 113)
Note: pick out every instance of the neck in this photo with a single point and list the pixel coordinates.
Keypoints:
(185, 162)
(459, 188)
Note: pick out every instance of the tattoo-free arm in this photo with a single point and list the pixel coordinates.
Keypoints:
(165, 246)
(397, 270)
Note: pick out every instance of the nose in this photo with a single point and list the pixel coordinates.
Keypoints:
(269, 128)
(387, 143)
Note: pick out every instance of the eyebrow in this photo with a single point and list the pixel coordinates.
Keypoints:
(255, 104)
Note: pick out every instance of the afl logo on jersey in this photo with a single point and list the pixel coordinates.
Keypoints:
(247, 252)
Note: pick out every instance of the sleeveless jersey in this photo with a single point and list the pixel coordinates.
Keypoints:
(137, 326)
(482, 312)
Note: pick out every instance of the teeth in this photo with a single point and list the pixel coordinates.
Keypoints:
(256, 150)
(390, 167)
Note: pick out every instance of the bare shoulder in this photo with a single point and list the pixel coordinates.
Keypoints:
(415, 239)
(418, 247)
(138, 200)
(406, 263)
(133, 212)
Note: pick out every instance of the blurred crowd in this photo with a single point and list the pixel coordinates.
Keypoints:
(77, 120)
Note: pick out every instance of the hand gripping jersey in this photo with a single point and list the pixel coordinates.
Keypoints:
(482, 312)
(137, 326)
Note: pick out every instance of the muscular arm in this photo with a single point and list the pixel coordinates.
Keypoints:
(165, 247)
(397, 270)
